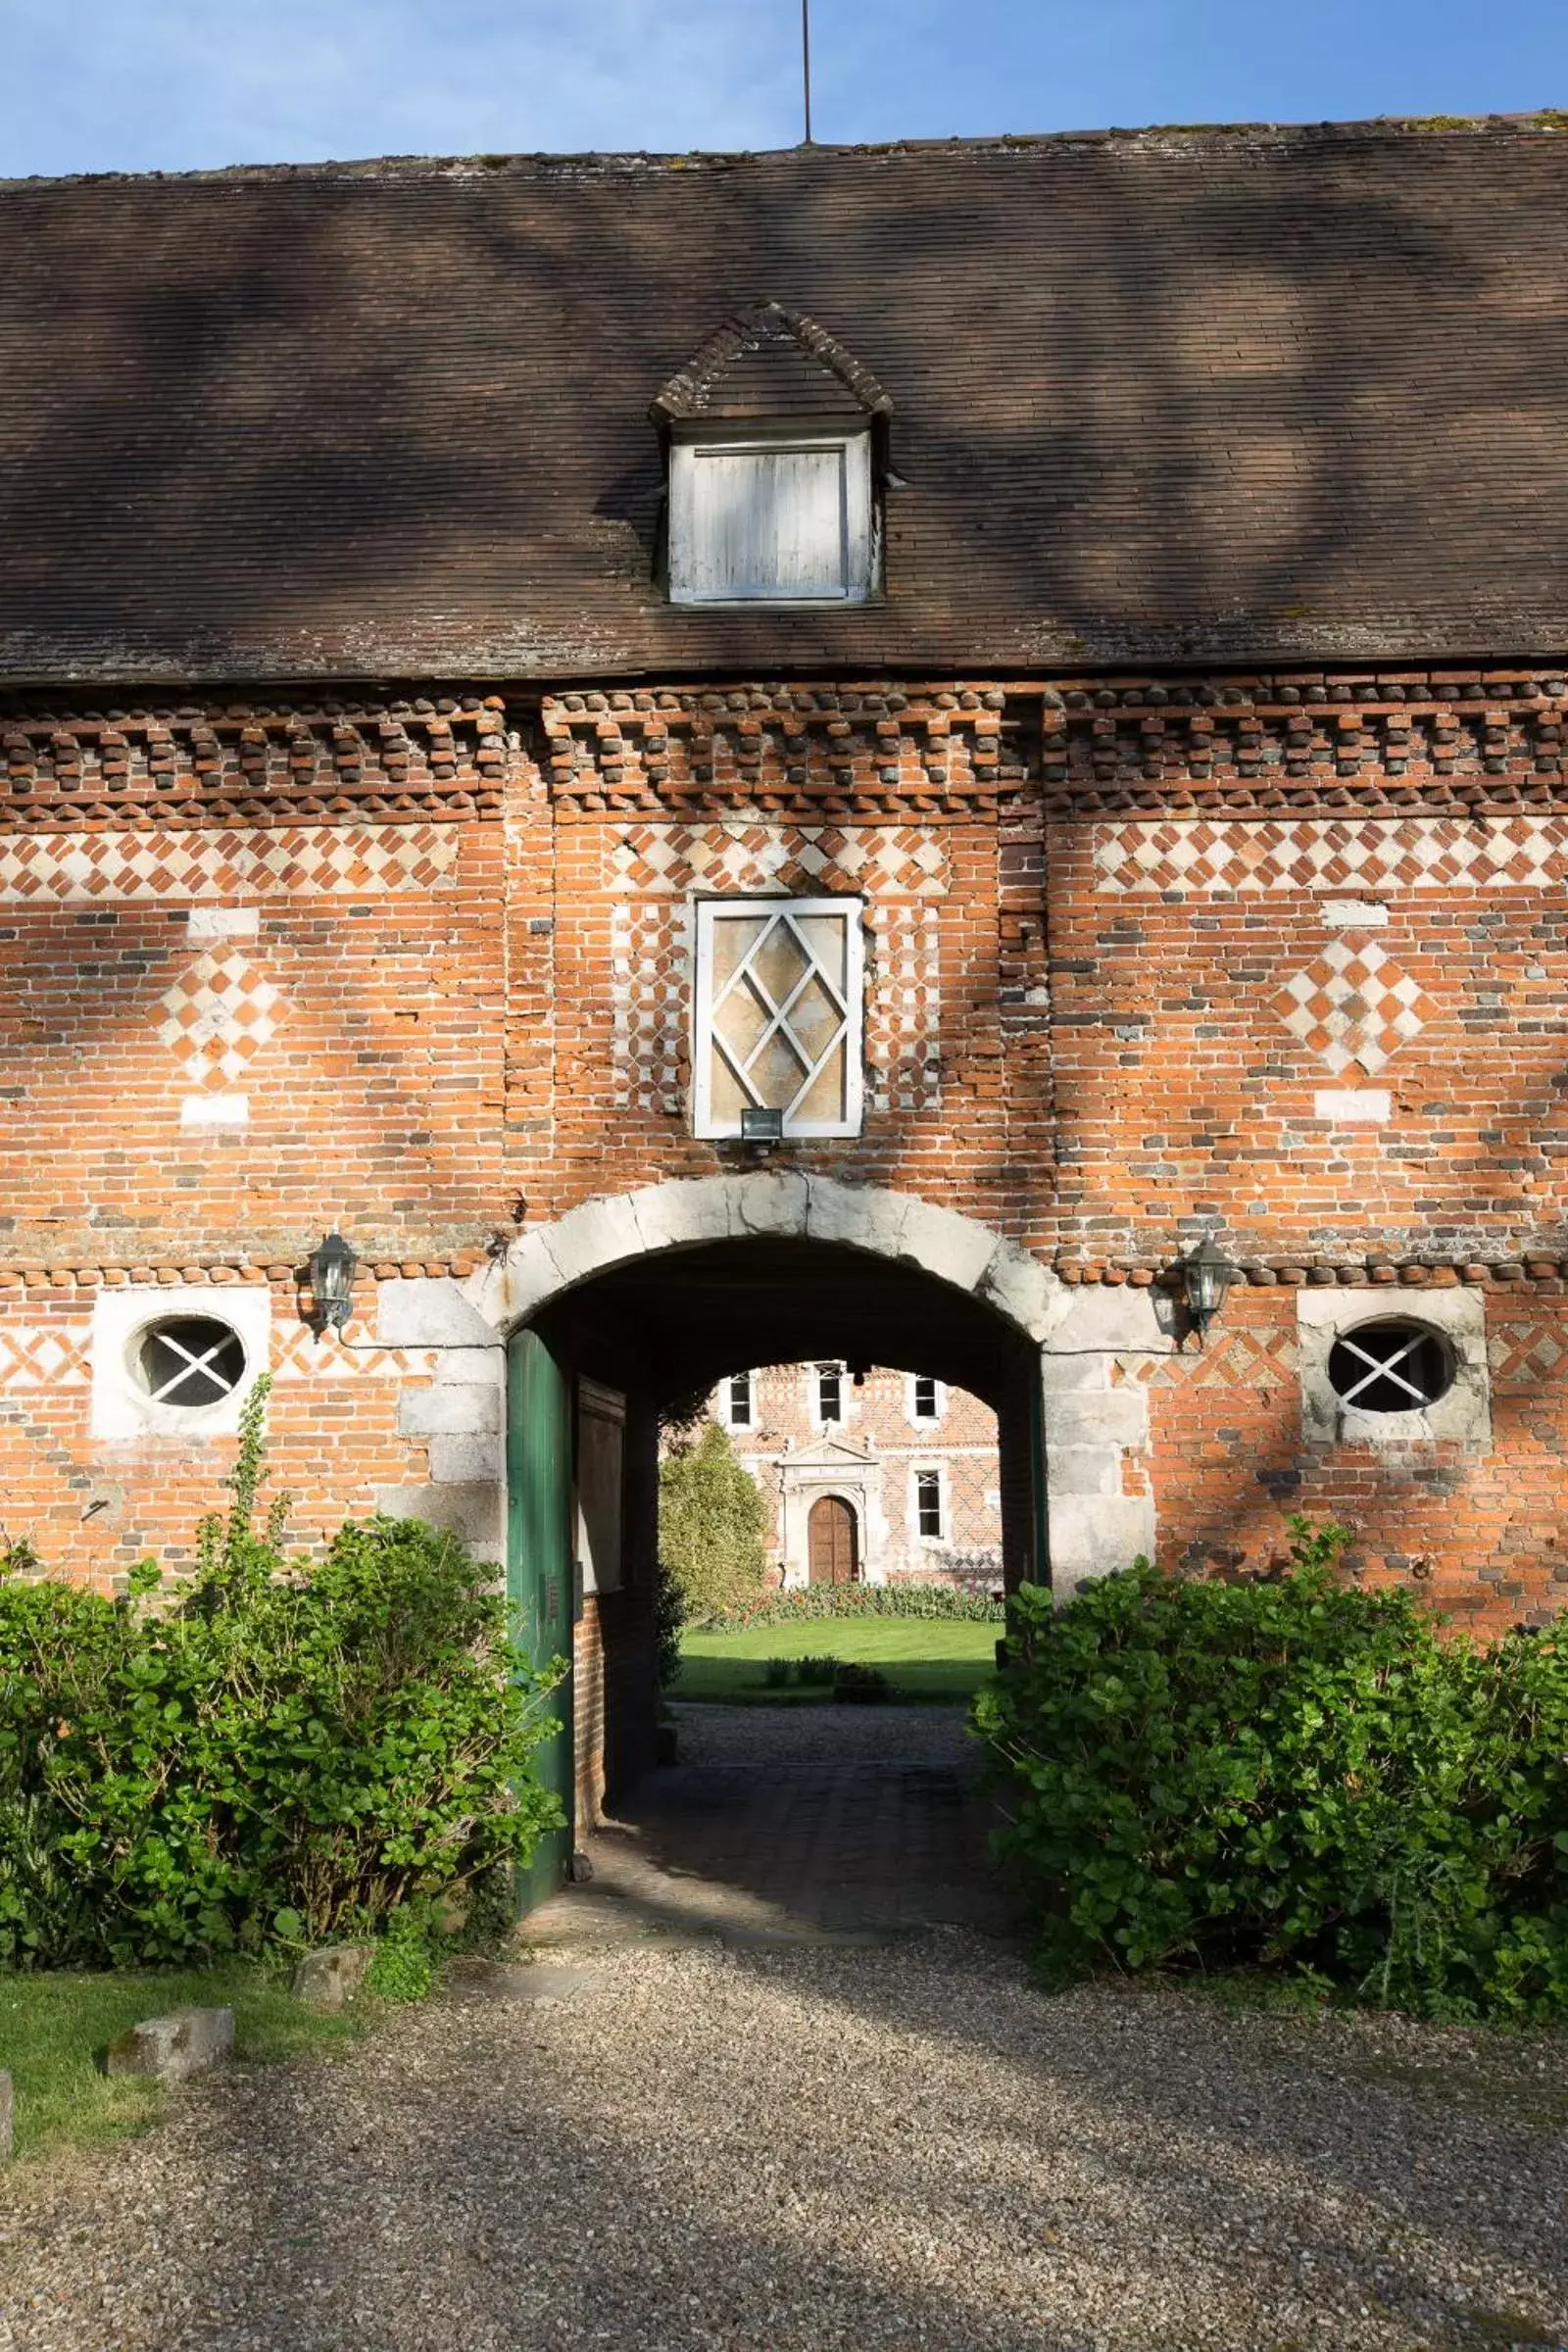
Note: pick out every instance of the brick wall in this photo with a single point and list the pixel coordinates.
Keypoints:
(1279, 956)
(1483, 1534)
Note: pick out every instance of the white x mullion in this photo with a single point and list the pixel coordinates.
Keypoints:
(193, 1363)
(743, 971)
(1380, 1367)
(780, 1013)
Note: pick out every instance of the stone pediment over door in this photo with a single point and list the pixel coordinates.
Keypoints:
(832, 1466)
(831, 1453)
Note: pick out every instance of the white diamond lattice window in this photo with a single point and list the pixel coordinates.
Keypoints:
(779, 1014)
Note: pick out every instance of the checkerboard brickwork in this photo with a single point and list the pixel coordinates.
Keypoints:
(231, 862)
(1424, 853)
(1352, 1006)
(221, 1012)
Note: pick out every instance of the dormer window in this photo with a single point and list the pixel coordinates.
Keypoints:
(784, 519)
(776, 443)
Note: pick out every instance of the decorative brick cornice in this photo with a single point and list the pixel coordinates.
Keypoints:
(786, 751)
(1295, 1273)
(1441, 741)
(399, 762)
(35, 1279)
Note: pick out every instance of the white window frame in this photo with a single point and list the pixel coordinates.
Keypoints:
(726, 1399)
(840, 1372)
(121, 1409)
(687, 456)
(915, 1418)
(712, 911)
(1460, 1316)
(938, 1471)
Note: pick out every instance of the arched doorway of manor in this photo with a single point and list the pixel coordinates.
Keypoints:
(832, 1542)
(598, 1349)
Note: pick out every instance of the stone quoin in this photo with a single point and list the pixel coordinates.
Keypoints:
(1073, 736)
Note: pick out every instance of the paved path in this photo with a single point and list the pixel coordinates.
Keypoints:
(742, 2101)
(820, 1822)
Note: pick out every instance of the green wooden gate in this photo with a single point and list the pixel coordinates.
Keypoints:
(539, 1567)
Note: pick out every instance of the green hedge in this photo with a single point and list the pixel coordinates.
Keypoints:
(264, 1756)
(1299, 1775)
(813, 1602)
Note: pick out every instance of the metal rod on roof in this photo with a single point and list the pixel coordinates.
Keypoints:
(806, 63)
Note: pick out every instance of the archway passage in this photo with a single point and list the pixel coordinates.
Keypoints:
(832, 1548)
(662, 1328)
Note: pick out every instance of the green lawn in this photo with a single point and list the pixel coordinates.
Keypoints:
(54, 2027)
(922, 1658)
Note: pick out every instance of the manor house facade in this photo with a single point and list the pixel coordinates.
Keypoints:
(868, 1476)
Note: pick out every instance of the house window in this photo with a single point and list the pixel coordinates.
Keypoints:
(739, 1402)
(771, 519)
(189, 1361)
(175, 1366)
(779, 1014)
(928, 1504)
(1390, 1367)
(925, 1401)
(830, 1392)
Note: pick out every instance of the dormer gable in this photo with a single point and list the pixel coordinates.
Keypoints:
(768, 364)
(772, 477)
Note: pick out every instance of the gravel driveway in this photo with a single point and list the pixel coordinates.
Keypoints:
(803, 2142)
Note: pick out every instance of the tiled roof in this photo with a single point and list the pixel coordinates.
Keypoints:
(1156, 396)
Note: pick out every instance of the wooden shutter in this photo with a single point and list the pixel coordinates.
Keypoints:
(770, 521)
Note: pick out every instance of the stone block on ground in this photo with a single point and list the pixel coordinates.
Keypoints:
(174, 2048)
(331, 1978)
(7, 2116)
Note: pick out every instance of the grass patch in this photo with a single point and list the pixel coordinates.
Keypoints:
(922, 1659)
(55, 2024)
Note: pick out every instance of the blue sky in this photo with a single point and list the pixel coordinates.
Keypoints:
(173, 84)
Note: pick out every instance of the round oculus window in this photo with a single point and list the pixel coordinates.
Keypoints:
(1391, 1367)
(188, 1361)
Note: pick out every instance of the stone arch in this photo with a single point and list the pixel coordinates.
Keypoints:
(690, 1212)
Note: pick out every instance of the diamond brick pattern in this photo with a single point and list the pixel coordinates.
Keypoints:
(1435, 853)
(220, 1014)
(44, 1356)
(300, 1355)
(242, 863)
(1528, 1355)
(1353, 1005)
(887, 861)
(1232, 1360)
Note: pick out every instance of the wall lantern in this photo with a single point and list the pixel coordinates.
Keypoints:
(761, 1127)
(333, 1268)
(1206, 1276)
